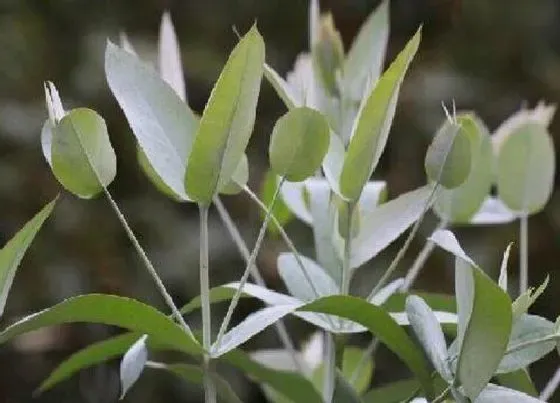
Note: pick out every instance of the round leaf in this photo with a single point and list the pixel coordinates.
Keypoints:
(83, 159)
(300, 140)
(525, 168)
(448, 160)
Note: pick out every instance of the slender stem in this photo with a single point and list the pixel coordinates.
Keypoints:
(149, 266)
(283, 334)
(330, 367)
(209, 388)
(523, 254)
(250, 264)
(551, 386)
(394, 264)
(420, 260)
(442, 396)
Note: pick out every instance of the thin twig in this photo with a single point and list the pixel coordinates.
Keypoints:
(523, 254)
(551, 386)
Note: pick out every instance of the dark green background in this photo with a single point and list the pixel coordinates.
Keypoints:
(489, 56)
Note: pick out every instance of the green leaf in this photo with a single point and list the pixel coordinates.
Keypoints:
(13, 251)
(448, 159)
(300, 140)
(381, 296)
(296, 196)
(327, 53)
(364, 62)
(381, 325)
(519, 380)
(494, 393)
(133, 364)
(110, 310)
(525, 329)
(437, 302)
(386, 223)
(170, 66)
(525, 168)
(195, 374)
(227, 121)
(163, 125)
(83, 159)
(395, 392)
(280, 210)
(344, 392)
(281, 87)
(522, 304)
(216, 295)
(429, 333)
(297, 282)
(153, 175)
(239, 178)
(460, 204)
(371, 130)
(289, 384)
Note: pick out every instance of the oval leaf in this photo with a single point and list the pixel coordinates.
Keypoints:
(300, 140)
(133, 364)
(83, 159)
(227, 121)
(372, 125)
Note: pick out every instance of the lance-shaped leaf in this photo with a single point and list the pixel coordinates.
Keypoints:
(459, 205)
(163, 125)
(227, 122)
(282, 88)
(133, 364)
(364, 62)
(448, 159)
(373, 123)
(14, 250)
(83, 159)
(525, 168)
(522, 304)
(299, 142)
(110, 310)
(170, 66)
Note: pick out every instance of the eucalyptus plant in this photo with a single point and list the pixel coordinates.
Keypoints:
(323, 151)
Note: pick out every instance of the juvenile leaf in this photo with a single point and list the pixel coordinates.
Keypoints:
(503, 279)
(110, 310)
(429, 333)
(364, 62)
(14, 250)
(493, 393)
(163, 125)
(300, 140)
(448, 159)
(458, 205)
(525, 168)
(372, 125)
(386, 223)
(227, 121)
(296, 281)
(522, 304)
(170, 66)
(54, 105)
(328, 54)
(133, 364)
(83, 159)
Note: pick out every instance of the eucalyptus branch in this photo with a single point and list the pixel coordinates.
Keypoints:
(148, 264)
(257, 277)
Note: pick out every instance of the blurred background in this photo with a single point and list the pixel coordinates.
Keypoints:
(488, 56)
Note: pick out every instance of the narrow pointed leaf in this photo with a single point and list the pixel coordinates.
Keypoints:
(281, 87)
(227, 122)
(163, 125)
(522, 304)
(519, 380)
(13, 251)
(364, 62)
(373, 123)
(170, 66)
(328, 55)
(386, 292)
(133, 364)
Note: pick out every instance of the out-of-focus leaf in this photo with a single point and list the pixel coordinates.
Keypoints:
(328, 55)
(280, 210)
(299, 142)
(386, 292)
(344, 392)
(503, 279)
(438, 302)
(13, 251)
(281, 87)
(216, 295)
(522, 304)
(493, 211)
(239, 178)
(163, 125)
(133, 364)
(83, 159)
(371, 130)
(519, 380)
(170, 66)
(395, 392)
(494, 393)
(227, 122)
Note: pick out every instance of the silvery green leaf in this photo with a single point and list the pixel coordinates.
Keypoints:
(133, 364)
(170, 66)
(503, 279)
(493, 211)
(528, 298)
(125, 43)
(494, 393)
(383, 294)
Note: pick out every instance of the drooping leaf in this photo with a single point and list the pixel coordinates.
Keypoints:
(448, 159)
(110, 310)
(297, 282)
(13, 251)
(519, 380)
(460, 204)
(195, 374)
(364, 62)
(163, 125)
(493, 393)
(170, 66)
(83, 159)
(373, 123)
(227, 122)
(522, 304)
(133, 364)
(429, 333)
(386, 223)
(525, 168)
(299, 142)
